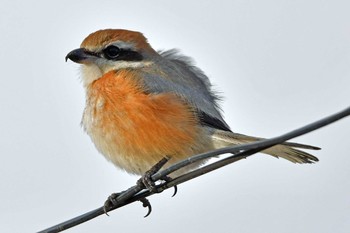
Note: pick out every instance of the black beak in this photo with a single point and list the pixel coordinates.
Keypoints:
(81, 56)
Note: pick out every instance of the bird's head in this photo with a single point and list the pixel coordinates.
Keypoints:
(111, 49)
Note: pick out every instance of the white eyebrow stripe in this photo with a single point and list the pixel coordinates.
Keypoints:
(122, 45)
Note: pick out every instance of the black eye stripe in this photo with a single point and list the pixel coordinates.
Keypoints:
(129, 55)
(116, 54)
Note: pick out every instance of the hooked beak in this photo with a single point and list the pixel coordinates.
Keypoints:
(81, 56)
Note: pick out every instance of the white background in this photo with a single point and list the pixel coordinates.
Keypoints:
(279, 65)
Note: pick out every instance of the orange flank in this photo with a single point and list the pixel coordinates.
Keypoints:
(135, 129)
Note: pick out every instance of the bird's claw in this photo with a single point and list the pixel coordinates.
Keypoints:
(168, 179)
(110, 202)
(146, 203)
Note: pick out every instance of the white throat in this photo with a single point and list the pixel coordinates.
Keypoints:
(90, 73)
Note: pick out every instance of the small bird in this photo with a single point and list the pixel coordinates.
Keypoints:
(143, 105)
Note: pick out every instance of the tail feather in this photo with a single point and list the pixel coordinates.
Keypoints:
(285, 150)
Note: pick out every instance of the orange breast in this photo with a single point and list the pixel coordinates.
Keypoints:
(134, 129)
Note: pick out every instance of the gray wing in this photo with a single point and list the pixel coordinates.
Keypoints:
(181, 77)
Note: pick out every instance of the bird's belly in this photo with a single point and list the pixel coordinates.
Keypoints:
(138, 133)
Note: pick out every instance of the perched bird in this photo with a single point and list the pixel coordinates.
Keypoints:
(143, 105)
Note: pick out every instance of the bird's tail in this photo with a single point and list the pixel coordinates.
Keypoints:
(285, 150)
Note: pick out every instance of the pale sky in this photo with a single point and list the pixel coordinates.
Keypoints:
(278, 64)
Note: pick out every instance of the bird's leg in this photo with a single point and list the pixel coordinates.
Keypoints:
(146, 180)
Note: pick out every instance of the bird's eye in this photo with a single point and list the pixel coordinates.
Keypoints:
(111, 52)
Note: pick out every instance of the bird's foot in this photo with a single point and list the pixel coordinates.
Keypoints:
(112, 201)
(146, 180)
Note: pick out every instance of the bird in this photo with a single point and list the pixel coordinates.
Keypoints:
(143, 105)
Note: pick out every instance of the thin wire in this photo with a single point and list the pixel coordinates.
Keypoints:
(245, 151)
